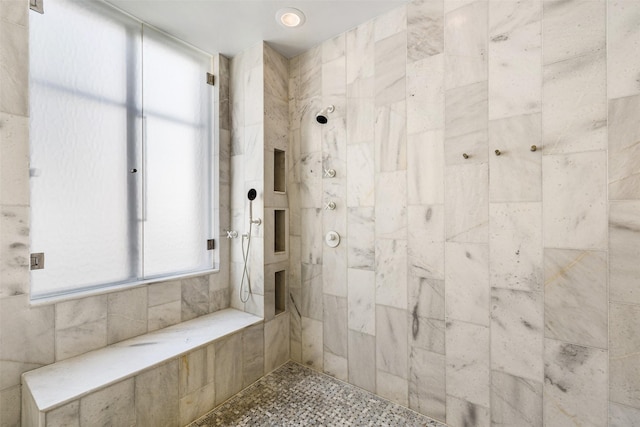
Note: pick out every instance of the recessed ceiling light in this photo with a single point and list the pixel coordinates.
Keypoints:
(290, 17)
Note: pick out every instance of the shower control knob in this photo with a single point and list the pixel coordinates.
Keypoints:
(330, 206)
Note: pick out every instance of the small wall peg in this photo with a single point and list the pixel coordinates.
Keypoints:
(497, 152)
(534, 148)
(465, 155)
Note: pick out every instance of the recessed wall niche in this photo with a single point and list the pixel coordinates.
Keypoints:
(279, 171)
(280, 290)
(280, 231)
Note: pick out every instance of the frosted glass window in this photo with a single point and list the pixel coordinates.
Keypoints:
(121, 184)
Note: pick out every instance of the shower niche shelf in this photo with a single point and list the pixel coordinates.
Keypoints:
(279, 171)
(280, 279)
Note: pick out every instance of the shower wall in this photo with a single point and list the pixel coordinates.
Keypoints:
(475, 286)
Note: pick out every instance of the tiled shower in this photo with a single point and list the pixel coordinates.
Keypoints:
(486, 195)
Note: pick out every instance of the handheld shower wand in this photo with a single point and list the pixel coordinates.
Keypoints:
(245, 254)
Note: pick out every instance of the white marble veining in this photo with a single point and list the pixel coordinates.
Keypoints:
(362, 360)
(467, 291)
(624, 251)
(624, 354)
(623, 39)
(574, 211)
(515, 401)
(515, 246)
(361, 301)
(467, 373)
(425, 94)
(515, 58)
(517, 330)
(427, 383)
(575, 294)
(516, 175)
(96, 369)
(575, 385)
(573, 28)
(624, 148)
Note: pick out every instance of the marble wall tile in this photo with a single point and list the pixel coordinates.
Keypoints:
(391, 205)
(252, 354)
(624, 354)
(391, 387)
(425, 93)
(336, 366)
(27, 337)
(81, 326)
(467, 291)
(156, 396)
(425, 168)
(335, 325)
(575, 294)
(361, 240)
(624, 149)
(311, 239)
(362, 360)
(192, 371)
(276, 342)
(466, 207)
(311, 303)
(391, 137)
(572, 29)
(461, 412)
(575, 384)
(624, 251)
(361, 301)
(517, 331)
(391, 273)
(515, 175)
(427, 383)
(391, 342)
(465, 38)
(195, 297)
(67, 415)
(426, 241)
(466, 110)
(360, 174)
(10, 400)
(468, 372)
(14, 251)
(360, 53)
(14, 57)
(228, 367)
(515, 58)
(621, 416)
(312, 345)
(575, 123)
(515, 401)
(515, 246)
(390, 68)
(425, 29)
(390, 23)
(195, 404)
(623, 37)
(574, 211)
(113, 405)
(14, 160)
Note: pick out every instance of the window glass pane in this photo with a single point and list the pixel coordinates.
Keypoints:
(85, 98)
(177, 156)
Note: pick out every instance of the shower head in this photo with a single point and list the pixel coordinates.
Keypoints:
(252, 194)
(321, 117)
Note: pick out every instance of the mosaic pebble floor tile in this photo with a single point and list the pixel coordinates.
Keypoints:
(294, 395)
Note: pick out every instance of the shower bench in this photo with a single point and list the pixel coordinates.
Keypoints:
(133, 381)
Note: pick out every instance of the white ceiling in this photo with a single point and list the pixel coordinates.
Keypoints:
(231, 26)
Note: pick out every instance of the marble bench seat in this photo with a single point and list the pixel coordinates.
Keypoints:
(54, 386)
